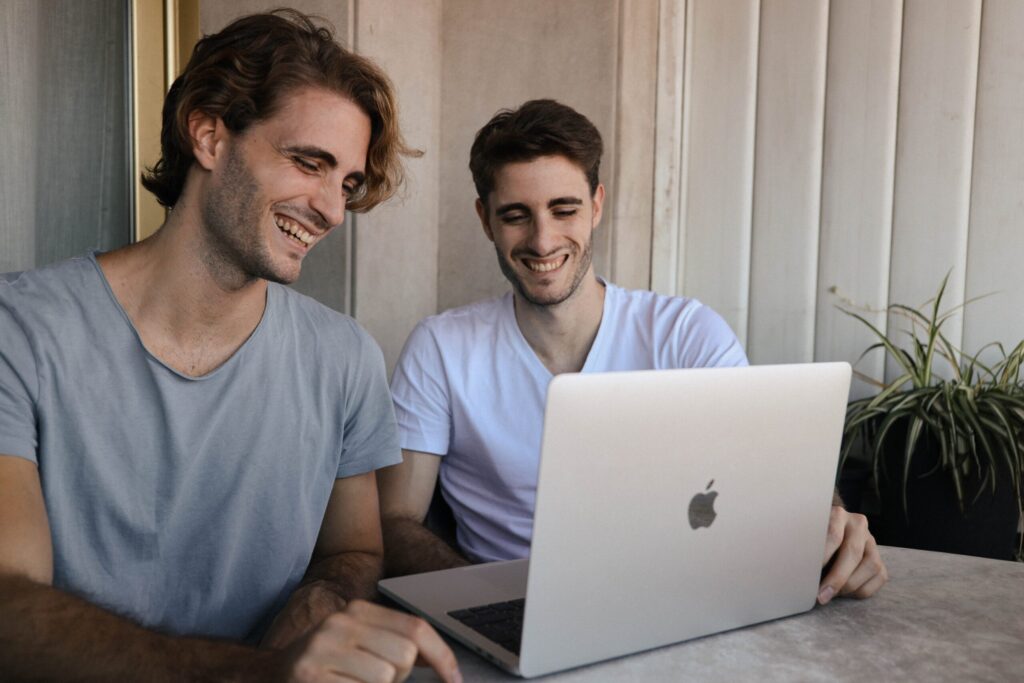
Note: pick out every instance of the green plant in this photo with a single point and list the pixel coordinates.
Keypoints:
(975, 418)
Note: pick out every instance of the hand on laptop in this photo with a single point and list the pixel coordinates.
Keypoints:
(367, 642)
(857, 568)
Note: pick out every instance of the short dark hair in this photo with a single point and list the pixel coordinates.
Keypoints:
(538, 128)
(241, 75)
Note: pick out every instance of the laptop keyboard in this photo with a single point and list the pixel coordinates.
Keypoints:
(501, 622)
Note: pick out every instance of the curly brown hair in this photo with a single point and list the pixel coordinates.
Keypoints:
(536, 129)
(241, 75)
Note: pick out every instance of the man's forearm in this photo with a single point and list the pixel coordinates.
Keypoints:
(46, 634)
(352, 575)
(411, 548)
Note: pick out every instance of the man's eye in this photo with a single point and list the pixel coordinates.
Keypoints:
(513, 218)
(305, 165)
(565, 213)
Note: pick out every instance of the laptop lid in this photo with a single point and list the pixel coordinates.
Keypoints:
(678, 503)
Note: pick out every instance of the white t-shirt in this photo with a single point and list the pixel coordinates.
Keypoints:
(469, 387)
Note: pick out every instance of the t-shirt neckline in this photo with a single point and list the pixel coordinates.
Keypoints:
(527, 351)
(231, 360)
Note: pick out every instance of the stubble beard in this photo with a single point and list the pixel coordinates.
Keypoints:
(582, 267)
(234, 250)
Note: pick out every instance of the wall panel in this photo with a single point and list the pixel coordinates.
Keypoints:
(857, 179)
(668, 238)
(720, 98)
(938, 84)
(396, 248)
(631, 178)
(787, 180)
(994, 254)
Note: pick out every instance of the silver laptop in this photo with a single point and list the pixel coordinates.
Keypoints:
(670, 504)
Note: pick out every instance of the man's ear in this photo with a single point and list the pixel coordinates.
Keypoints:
(207, 134)
(598, 201)
(481, 211)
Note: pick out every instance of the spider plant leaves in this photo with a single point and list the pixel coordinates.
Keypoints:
(972, 423)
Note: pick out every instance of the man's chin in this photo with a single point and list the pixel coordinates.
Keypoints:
(282, 279)
(282, 276)
(542, 297)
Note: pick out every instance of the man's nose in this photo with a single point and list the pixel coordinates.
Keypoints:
(330, 204)
(544, 236)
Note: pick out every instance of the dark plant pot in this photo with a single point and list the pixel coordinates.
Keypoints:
(933, 521)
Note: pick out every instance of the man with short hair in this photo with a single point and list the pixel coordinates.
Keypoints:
(188, 447)
(470, 384)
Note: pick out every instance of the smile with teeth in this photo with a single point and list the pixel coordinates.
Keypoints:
(546, 265)
(293, 230)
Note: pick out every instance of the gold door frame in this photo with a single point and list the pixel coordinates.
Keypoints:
(163, 33)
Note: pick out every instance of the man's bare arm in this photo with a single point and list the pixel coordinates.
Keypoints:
(349, 551)
(347, 562)
(46, 634)
(405, 494)
(49, 635)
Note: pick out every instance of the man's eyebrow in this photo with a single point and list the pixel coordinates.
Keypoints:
(519, 206)
(561, 201)
(312, 153)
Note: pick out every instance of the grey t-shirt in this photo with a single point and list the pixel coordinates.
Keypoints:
(190, 505)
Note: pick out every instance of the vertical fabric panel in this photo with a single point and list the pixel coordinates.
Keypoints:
(721, 38)
(934, 141)
(997, 202)
(84, 97)
(629, 223)
(64, 177)
(325, 275)
(787, 180)
(666, 243)
(20, 76)
(857, 179)
(396, 245)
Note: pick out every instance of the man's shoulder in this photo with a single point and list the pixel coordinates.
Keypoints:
(307, 315)
(51, 290)
(651, 305)
(337, 334)
(469, 321)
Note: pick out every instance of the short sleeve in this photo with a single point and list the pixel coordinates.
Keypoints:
(18, 388)
(420, 393)
(707, 341)
(370, 439)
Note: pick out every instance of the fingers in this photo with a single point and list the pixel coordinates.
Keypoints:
(367, 642)
(432, 649)
(857, 567)
(870, 575)
(836, 525)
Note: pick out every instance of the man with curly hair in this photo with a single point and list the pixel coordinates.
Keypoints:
(188, 447)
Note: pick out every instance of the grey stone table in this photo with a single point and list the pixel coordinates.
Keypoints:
(940, 618)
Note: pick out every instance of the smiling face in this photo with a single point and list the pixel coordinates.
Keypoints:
(541, 217)
(280, 186)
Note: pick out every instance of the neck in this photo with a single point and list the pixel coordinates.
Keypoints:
(561, 335)
(188, 313)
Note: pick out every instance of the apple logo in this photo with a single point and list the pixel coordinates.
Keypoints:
(702, 508)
